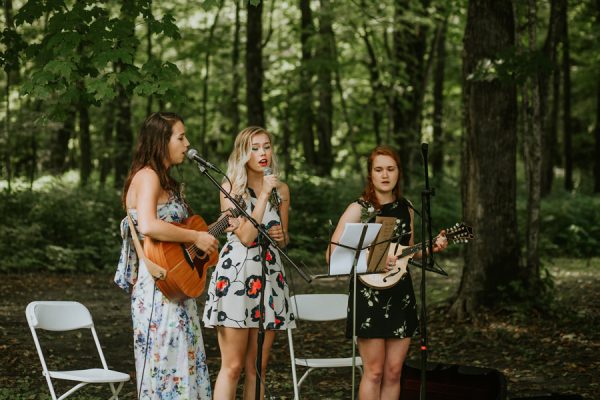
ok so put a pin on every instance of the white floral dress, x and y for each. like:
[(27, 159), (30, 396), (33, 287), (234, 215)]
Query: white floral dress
[(170, 361), (233, 295)]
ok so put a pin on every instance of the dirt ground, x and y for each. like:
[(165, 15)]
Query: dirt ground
[(538, 354)]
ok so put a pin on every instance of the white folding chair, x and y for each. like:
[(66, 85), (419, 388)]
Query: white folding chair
[(317, 308), (67, 316)]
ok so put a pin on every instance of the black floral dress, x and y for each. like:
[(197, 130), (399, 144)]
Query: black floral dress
[(385, 313), (233, 295)]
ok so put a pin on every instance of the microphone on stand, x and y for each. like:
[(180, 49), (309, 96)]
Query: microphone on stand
[(274, 195), (193, 155)]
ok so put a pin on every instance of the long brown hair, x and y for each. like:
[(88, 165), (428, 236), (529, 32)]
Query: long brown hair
[(369, 190), (152, 150)]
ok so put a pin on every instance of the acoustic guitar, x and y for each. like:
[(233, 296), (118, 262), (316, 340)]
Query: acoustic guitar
[(185, 263), (459, 233)]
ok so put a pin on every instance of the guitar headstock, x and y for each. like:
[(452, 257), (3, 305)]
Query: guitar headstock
[(459, 233)]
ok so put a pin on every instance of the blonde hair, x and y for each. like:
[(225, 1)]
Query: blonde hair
[(236, 165)]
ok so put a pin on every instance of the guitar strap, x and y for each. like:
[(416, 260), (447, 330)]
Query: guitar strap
[(155, 270)]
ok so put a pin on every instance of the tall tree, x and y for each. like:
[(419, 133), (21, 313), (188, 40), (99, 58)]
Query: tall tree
[(549, 112), (437, 153), (254, 68), (306, 119), (325, 54), (490, 120), (234, 112), (532, 151), (597, 130), (408, 70), (566, 75)]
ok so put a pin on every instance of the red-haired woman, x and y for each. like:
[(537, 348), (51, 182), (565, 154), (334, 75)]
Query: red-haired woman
[(386, 319)]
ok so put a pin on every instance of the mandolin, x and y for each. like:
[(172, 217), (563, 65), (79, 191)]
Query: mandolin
[(459, 233), (185, 263)]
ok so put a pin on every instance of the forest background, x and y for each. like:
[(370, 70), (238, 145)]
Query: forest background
[(506, 93)]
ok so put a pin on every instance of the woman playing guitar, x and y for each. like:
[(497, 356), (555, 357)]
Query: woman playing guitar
[(386, 319), (169, 351)]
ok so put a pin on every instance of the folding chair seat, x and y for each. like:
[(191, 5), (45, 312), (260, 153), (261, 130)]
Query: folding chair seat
[(67, 316), (317, 308)]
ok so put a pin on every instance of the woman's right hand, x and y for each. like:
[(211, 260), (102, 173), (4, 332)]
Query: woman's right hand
[(206, 242), (270, 182)]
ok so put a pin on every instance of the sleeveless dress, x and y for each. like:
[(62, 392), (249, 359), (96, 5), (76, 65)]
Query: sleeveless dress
[(233, 295), (385, 313), (170, 361)]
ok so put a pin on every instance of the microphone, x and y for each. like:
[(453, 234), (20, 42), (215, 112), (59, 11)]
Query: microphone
[(274, 195), (193, 155)]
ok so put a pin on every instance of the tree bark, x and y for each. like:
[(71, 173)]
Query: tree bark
[(548, 111), (254, 68), (59, 147), (325, 55), (532, 151), (123, 137), (597, 130), (85, 143), (488, 197), (234, 112), (306, 119), (409, 52), (566, 72), (437, 153), (205, 79), (376, 85), (107, 141), (149, 55)]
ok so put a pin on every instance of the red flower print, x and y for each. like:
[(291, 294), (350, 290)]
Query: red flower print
[(253, 286)]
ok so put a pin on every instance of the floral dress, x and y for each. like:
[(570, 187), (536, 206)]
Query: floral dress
[(233, 295), (170, 361), (385, 313)]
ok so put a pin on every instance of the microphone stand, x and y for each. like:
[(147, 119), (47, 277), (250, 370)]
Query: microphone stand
[(264, 241), (427, 262)]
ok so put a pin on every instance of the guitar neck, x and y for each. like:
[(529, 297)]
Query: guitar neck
[(219, 227)]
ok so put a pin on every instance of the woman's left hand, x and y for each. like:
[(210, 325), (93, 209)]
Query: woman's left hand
[(276, 233), (440, 242)]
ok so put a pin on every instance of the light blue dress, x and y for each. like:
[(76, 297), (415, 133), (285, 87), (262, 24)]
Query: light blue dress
[(170, 361)]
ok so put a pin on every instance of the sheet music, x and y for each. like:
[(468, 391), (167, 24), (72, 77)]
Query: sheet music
[(342, 258)]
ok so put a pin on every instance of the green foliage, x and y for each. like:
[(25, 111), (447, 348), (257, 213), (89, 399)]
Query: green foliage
[(63, 228)]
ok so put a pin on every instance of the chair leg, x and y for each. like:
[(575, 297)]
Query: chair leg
[(116, 392)]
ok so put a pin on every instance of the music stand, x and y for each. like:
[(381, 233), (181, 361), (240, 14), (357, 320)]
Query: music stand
[(355, 239)]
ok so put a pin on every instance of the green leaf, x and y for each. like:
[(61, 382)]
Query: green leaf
[(60, 68)]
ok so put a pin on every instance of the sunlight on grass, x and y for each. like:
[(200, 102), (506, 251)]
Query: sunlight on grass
[(43, 183)]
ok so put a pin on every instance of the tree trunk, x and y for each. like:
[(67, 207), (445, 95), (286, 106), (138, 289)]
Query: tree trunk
[(234, 112), (123, 137), (204, 111), (149, 55), (409, 52), (532, 150), (306, 119), (488, 197), (325, 55), (85, 143), (59, 147), (107, 141), (566, 69), (376, 86), (597, 130), (254, 68), (437, 153), (548, 111)]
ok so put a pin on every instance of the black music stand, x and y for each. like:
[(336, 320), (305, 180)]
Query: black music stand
[(358, 249)]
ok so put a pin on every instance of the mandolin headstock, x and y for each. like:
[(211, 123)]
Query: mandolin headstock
[(459, 233)]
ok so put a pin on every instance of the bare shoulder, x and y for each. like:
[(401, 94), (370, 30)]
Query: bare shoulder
[(146, 176), (352, 212), (284, 189)]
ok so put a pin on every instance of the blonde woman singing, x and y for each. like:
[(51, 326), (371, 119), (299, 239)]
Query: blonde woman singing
[(233, 297)]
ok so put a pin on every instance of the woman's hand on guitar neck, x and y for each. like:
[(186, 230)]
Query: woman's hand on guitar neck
[(440, 242), (206, 242)]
